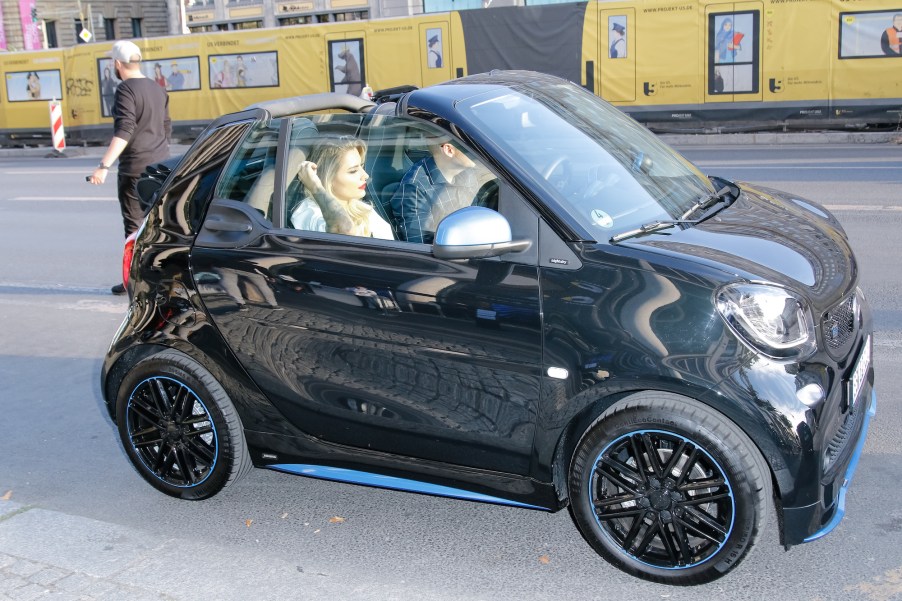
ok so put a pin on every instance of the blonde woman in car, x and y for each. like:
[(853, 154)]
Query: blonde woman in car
[(335, 182)]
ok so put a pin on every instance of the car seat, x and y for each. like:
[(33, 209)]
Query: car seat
[(386, 163), (303, 134)]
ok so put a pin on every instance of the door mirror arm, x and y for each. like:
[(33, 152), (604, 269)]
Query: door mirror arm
[(479, 251)]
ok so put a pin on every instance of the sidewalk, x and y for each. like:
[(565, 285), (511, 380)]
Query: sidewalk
[(52, 555)]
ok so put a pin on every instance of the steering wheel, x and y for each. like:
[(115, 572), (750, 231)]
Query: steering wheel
[(558, 172)]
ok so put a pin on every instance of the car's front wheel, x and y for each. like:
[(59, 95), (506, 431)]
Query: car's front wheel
[(668, 489), (179, 428)]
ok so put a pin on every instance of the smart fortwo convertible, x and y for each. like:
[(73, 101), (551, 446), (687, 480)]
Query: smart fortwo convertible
[(679, 359)]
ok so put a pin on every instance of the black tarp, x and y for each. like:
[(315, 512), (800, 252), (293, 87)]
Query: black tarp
[(546, 38)]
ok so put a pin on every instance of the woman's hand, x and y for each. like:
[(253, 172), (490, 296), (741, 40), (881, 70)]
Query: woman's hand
[(308, 176), (334, 213)]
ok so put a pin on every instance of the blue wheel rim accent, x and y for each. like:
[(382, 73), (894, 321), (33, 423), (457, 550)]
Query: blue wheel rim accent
[(171, 432), (661, 499)]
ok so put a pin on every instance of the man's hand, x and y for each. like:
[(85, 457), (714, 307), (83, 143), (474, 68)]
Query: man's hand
[(99, 176), (117, 145)]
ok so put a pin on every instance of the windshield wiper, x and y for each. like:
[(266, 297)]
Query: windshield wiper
[(648, 228), (702, 203), (706, 201)]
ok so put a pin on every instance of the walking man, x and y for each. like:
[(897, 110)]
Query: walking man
[(141, 132)]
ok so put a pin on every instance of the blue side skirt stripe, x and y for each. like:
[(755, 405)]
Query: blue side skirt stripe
[(380, 481)]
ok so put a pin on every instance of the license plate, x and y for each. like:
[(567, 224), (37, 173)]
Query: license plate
[(860, 373)]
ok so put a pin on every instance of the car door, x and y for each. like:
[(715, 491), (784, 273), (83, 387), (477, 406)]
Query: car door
[(373, 344)]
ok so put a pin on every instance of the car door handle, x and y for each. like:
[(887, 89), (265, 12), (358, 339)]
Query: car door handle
[(221, 225)]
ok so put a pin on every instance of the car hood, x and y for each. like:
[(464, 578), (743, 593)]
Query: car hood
[(766, 235)]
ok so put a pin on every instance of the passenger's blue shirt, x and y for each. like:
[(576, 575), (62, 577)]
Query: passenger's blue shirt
[(425, 197)]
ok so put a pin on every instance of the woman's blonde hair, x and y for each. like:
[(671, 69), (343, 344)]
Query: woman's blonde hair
[(327, 154)]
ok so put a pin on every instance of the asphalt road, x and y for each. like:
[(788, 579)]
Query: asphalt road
[(60, 243)]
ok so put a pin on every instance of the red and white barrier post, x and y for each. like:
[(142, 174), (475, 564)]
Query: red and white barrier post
[(57, 130)]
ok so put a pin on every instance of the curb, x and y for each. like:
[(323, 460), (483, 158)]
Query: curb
[(776, 139), (746, 139), (47, 152)]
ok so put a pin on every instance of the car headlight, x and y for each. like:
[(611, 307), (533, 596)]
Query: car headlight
[(769, 319)]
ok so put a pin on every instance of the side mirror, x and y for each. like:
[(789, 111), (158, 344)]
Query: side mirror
[(475, 233)]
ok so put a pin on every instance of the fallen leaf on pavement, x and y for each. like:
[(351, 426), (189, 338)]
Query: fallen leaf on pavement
[(7, 496), (545, 559), (336, 520), (248, 523)]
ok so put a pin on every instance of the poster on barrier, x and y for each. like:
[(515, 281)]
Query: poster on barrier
[(177, 74), (870, 34), (252, 70), (24, 86)]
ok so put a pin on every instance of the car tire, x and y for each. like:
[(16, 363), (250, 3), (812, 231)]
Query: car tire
[(696, 507), (179, 428)]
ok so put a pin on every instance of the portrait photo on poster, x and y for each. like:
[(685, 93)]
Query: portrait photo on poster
[(733, 38), (346, 67), (617, 28), (871, 34), (246, 70), (25, 86), (434, 48)]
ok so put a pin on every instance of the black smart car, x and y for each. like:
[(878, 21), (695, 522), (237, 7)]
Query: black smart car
[(680, 359)]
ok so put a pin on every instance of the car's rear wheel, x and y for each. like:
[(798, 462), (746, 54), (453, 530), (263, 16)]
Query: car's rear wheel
[(668, 489), (179, 428)]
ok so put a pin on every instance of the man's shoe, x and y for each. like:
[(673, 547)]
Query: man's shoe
[(118, 289)]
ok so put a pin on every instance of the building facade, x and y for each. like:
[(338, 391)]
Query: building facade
[(34, 24)]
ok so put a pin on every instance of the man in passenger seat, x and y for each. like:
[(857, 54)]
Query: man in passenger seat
[(431, 189)]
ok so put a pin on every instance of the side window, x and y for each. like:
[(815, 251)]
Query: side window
[(250, 175), (380, 176)]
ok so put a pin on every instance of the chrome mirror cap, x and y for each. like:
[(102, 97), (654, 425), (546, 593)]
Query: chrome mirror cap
[(475, 232)]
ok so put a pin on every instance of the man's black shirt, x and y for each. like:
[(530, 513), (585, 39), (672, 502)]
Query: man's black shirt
[(141, 117)]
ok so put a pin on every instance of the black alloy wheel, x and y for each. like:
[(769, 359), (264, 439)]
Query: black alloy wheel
[(662, 499), (171, 431), (669, 490), (179, 428)]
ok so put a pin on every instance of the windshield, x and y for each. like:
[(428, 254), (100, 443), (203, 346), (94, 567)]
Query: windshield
[(606, 170)]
